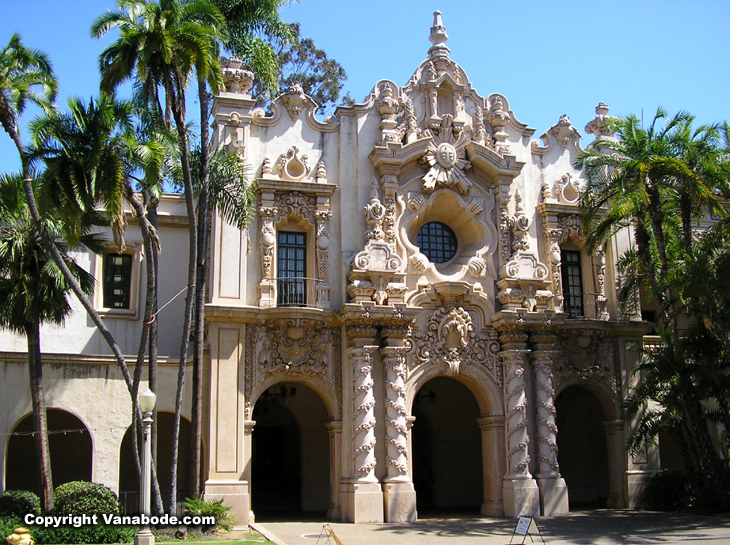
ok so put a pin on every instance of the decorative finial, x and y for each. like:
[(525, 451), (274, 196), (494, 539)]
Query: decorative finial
[(438, 38)]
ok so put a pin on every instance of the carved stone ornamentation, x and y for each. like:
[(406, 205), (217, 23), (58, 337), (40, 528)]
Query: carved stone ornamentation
[(516, 413), (396, 432), (587, 354), (387, 108), (362, 361), (293, 166), (267, 238), (601, 126), (547, 430), (294, 100), (449, 341), (564, 132), (236, 79), (498, 119), (447, 159)]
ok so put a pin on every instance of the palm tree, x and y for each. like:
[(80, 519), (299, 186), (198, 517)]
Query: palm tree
[(160, 44), (26, 76), (32, 292), (91, 155)]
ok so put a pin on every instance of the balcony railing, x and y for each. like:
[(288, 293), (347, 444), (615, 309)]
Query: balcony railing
[(297, 292), (585, 306)]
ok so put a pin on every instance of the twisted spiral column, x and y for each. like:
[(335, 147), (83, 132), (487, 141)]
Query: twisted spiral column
[(364, 412), (396, 435)]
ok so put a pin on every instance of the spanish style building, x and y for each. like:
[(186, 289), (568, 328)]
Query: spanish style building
[(411, 322)]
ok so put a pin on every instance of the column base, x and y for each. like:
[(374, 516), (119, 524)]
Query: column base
[(493, 509), (144, 537), (521, 498), (235, 494), (553, 496), (363, 502), (635, 483), (400, 502)]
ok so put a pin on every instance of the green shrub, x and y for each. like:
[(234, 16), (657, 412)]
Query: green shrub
[(84, 498), (8, 523), (222, 513), (85, 534), (19, 503), (668, 490)]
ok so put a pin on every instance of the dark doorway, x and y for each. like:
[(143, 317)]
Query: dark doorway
[(582, 450), (71, 452), (447, 452), (290, 455)]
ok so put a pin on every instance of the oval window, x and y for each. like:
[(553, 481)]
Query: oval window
[(437, 242)]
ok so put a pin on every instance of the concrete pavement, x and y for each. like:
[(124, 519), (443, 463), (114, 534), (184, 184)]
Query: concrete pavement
[(600, 527)]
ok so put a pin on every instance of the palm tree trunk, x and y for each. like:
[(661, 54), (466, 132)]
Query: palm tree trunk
[(152, 351), (178, 111), (43, 452), (200, 282)]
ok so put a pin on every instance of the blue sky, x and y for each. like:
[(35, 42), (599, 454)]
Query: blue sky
[(548, 57)]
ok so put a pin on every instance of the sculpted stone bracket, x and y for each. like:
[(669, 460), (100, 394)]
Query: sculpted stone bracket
[(299, 202), (293, 348), (376, 272)]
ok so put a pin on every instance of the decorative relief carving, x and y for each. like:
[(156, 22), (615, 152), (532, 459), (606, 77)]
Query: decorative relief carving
[(387, 108), (587, 354), (267, 238), (295, 205), (516, 412), (292, 166), (505, 232), (447, 159), (564, 131), (292, 347), (361, 359), (396, 433), (294, 100), (601, 126), (498, 119), (235, 79), (547, 430), (449, 341), (520, 225)]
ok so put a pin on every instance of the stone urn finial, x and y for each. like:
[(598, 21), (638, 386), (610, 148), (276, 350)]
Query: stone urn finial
[(438, 38)]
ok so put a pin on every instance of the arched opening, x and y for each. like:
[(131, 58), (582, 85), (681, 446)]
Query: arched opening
[(128, 482), (447, 451), (71, 452), (289, 454), (582, 447)]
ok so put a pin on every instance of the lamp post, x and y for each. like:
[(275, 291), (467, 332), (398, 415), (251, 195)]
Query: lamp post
[(147, 401)]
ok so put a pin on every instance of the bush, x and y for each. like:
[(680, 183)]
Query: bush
[(200, 507), (19, 503), (668, 490), (85, 534), (8, 523), (84, 498)]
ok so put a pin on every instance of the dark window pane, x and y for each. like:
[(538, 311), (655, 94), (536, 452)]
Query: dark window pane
[(437, 242), (117, 280), (291, 268), (572, 283)]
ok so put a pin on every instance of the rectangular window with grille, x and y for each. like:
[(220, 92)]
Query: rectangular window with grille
[(291, 269), (117, 280), (572, 284)]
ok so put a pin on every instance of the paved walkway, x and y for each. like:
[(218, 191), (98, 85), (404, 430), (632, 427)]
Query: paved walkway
[(603, 527)]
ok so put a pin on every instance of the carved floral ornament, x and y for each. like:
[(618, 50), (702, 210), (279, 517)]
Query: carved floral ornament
[(447, 159), (449, 341)]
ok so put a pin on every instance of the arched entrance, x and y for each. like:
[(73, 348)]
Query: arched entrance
[(582, 447), (71, 452), (290, 453), (128, 482), (447, 451)]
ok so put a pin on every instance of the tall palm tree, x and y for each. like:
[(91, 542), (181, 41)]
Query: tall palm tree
[(91, 155), (160, 44), (26, 76), (32, 292)]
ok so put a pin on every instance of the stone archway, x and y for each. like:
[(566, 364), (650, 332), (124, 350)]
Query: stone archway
[(447, 449), (290, 453), (71, 452), (583, 452)]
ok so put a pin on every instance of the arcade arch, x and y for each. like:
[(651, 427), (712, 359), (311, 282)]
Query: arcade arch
[(71, 449)]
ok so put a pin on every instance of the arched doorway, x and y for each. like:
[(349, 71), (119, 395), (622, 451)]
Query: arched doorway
[(447, 451), (71, 452), (582, 447), (290, 454), (128, 482)]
